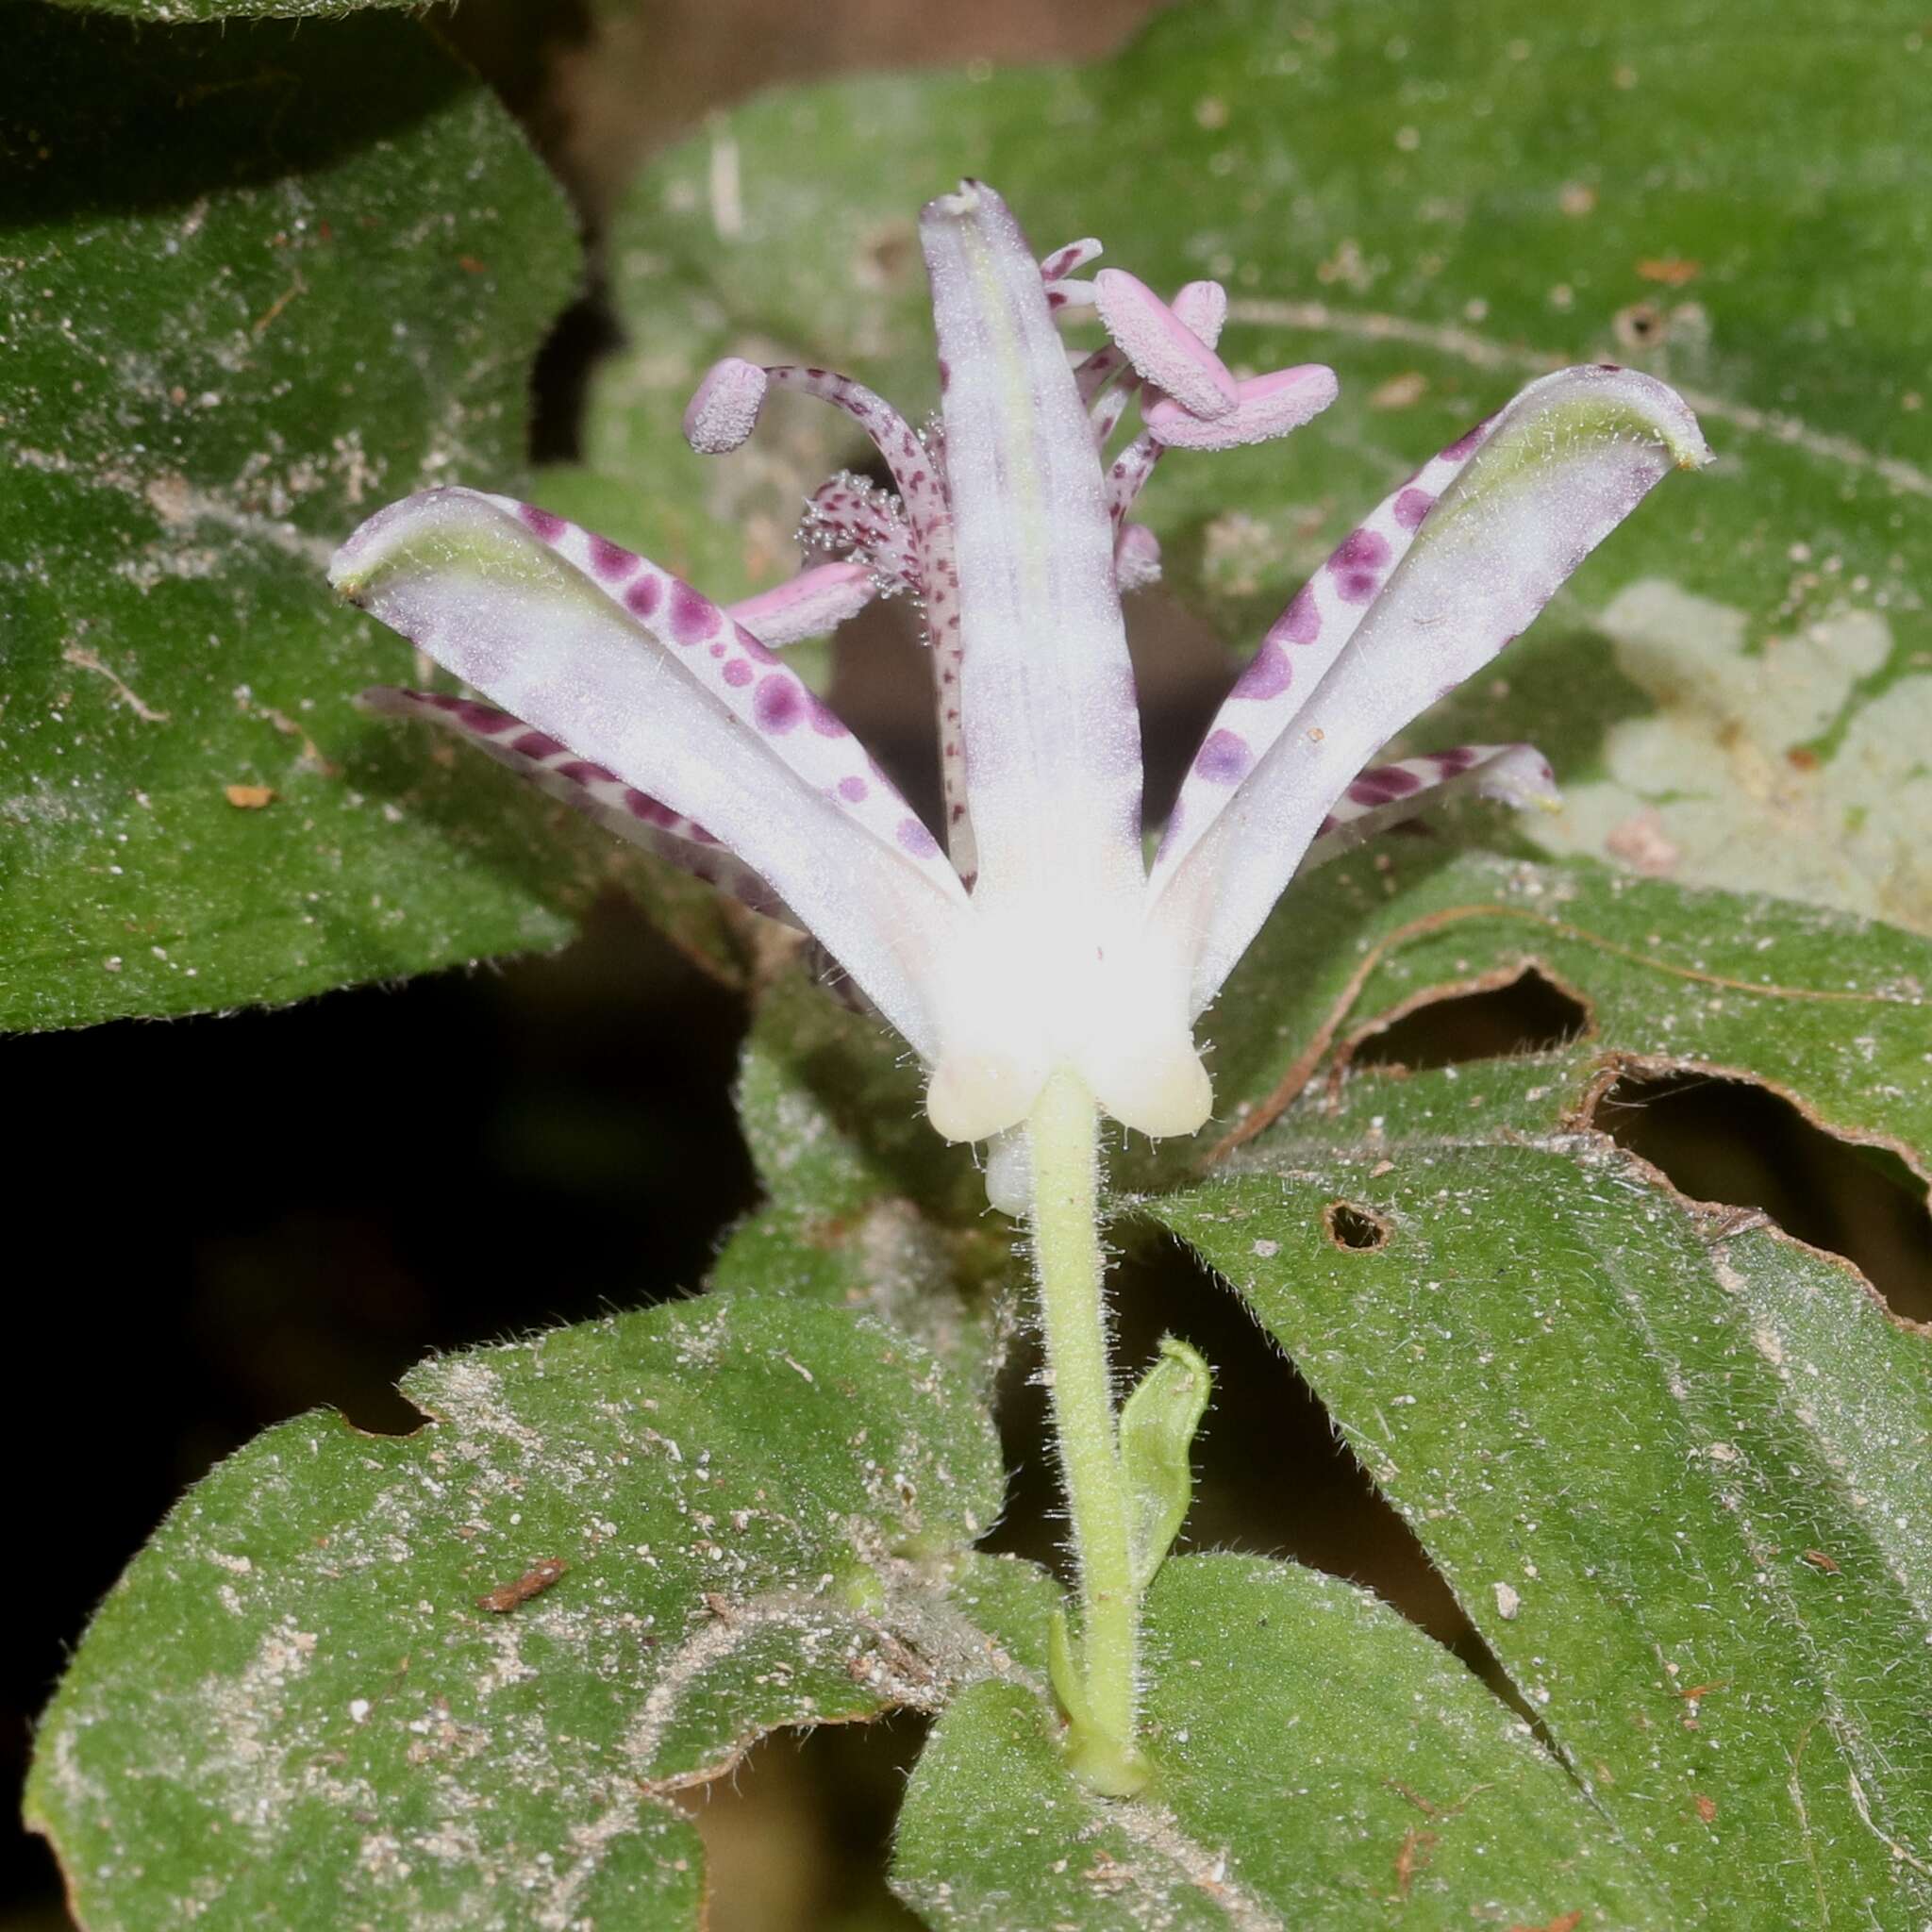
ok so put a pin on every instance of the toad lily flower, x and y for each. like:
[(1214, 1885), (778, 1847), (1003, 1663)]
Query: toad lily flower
[(1045, 942)]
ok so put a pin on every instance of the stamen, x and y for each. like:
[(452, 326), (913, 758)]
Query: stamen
[(912, 469), (1069, 260), (1128, 472), (1162, 348), (1136, 557), (817, 601), (724, 408), (1093, 375), (1268, 407), (728, 402), (1203, 306), (1108, 410)]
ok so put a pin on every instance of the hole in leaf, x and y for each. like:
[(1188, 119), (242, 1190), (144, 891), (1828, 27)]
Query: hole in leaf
[(1738, 1144), (1531, 1013), (1642, 326), (799, 1832), (1359, 1228)]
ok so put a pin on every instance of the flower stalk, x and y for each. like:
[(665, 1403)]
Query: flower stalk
[(1096, 1677)]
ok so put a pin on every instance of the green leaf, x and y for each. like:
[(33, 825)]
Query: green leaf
[(1318, 1762), (1735, 691), (1830, 1010), (1158, 1423), (260, 280), (1673, 1464), (866, 1206), (446, 1679)]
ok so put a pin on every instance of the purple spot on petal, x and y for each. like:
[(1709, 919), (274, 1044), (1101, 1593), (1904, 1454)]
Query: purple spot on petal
[(1224, 759), (1411, 506), (917, 839), (612, 561), (1360, 550), (1327, 826), (1384, 785), (1356, 586), (1301, 622), (738, 672), (778, 704), (752, 647), (693, 618), (1268, 676), (852, 789), (641, 598), (536, 744), (546, 523), (582, 771), (825, 720), (1452, 763)]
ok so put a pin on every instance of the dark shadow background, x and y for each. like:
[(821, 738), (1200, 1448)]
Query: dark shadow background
[(241, 1218)]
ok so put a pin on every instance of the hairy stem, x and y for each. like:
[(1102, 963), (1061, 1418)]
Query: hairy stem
[(1064, 1136)]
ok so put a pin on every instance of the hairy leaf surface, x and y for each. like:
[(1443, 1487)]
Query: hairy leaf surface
[(446, 1679), (258, 279), (1318, 1762), (1673, 1462)]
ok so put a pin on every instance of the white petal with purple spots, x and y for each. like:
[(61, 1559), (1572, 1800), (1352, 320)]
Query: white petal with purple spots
[(1309, 634), (1529, 499), (1386, 795), (508, 599), (553, 769)]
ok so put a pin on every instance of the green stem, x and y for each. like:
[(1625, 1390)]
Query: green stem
[(1063, 1131)]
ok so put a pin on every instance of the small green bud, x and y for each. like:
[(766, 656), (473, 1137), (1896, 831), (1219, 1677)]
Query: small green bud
[(1157, 1424)]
